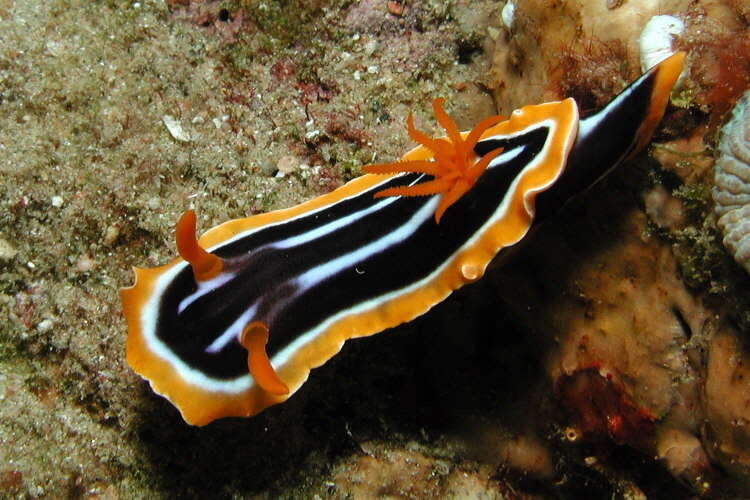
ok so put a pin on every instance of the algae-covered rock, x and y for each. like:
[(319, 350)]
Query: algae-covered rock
[(561, 375)]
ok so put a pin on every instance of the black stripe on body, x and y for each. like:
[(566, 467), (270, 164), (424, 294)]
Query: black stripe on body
[(269, 277), (605, 139)]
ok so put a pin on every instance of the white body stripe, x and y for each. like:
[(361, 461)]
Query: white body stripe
[(234, 331), (310, 278)]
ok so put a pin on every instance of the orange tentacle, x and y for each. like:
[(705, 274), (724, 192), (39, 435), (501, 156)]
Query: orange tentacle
[(476, 170), (441, 149), (479, 129), (456, 192), (254, 338), (450, 127), (205, 265)]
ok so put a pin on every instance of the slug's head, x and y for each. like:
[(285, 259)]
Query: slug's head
[(172, 318)]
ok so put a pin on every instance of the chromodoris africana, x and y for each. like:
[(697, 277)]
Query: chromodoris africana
[(238, 322)]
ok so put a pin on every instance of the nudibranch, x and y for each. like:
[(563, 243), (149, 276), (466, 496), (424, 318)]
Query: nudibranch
[(237, 323)]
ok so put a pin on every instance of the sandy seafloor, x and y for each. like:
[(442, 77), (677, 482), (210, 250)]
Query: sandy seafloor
[(276, 101), (92, 183)]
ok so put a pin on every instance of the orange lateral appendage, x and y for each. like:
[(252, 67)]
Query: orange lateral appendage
[(453, 169), (205, 265), (254, 338)]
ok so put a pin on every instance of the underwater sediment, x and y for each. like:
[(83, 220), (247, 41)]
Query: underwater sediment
[(607, 357)]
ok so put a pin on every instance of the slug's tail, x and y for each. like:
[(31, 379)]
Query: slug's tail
[(663, 78), (614, 134)]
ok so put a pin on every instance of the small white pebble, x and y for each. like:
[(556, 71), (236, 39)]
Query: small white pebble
[(175, 128), (85, 264), (7, 252), (287, 164), (312, 134), (54, 47), (655, 42), (56, 201), (508, 14), (45, 325), (371, 47), (372, 69), (357, 75), (220, 120), (111, 234), (30, 265)]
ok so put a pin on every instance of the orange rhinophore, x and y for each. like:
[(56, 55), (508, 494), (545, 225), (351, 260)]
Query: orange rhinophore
[(254, 338), (205, 265)]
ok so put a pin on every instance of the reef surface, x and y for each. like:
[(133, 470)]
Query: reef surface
[(606, 358)]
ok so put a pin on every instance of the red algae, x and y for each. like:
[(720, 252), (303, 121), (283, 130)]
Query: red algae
[(590, 71), (11, 481), (724, 73), (599, 407)]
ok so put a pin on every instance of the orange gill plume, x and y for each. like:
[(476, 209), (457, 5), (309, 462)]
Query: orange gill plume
[(454, 167)]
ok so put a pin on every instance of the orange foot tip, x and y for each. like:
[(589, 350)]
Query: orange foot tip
[(254, 338), (205, 265), (453, 168)]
